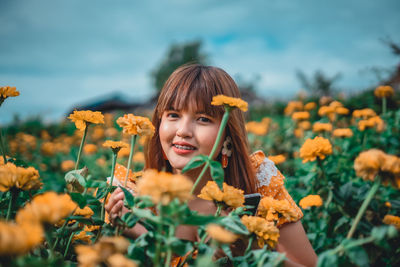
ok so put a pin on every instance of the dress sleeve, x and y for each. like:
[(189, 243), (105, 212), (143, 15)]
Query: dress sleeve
[(270, 183)]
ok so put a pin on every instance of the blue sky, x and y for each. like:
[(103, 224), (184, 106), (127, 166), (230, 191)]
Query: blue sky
[(62, 53)]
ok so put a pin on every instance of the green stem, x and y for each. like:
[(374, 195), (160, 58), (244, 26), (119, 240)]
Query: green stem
[(48, 233), (218, 212), (69, 242), (384, 105), (158, 240), (364, 206), (61, 231), (224, 121), (109, 187), (81, 146), (169, 248), (133, 142), (249, 245), (3, 148), (14, 194)]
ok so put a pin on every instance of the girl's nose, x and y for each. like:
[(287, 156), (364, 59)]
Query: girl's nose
[(184, 128)]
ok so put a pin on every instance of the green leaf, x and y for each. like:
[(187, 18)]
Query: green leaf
[(96, 184), (358, 256), (76, 182), (130, 219), (195, 162), (78, 198), (129, 198), (197, 219), (233, 224), (217, 173), (327, 259), (146, 214), (179, 246)]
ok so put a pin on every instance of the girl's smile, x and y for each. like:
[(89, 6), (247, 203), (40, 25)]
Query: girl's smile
[(185, 134)]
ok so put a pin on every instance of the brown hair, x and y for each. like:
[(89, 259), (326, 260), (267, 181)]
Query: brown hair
[(193, 86)]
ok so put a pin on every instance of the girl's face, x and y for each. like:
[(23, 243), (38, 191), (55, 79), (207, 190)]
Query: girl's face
[(185, 134)]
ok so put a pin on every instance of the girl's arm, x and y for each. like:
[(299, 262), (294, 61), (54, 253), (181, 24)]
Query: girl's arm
[(294, 243)]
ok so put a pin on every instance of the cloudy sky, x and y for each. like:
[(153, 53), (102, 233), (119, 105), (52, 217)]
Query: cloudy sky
[(61, 53)]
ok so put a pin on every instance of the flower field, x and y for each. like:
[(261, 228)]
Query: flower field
[(342, 167)]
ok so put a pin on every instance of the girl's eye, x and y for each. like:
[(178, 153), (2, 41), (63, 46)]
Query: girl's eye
[(204, 119), (172, 115)]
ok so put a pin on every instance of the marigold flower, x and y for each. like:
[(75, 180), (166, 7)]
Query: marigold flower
[(138, 157), (83, 117), (124, 152), (304, 125), (310, 106), (115, 145), (364, 113), (18, 239), (300, 115), (384, 91), (342, 110), (83, 236), (392, 219), (372, 122), (48, 148), (231, 196), (86, 212), (219, 100), (98, 133), (325, 100), (49, 207), (257, 128), (277, 159), (119, 260), (342, 132), (388, 204), (111, 132), (89, 149), (326, 110), (265, 231), (164, 187), (368, 163), (272, 209), (18, 177), (221, 234), (136, 125), (322, 127), (313, 148), (293, 106), (310, 201), (7, 91), (67, 165)]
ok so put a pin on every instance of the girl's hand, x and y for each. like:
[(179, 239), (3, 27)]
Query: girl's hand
[(115, 205)]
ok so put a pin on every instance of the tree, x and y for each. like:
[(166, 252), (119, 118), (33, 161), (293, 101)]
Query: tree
[(178, 55), (320, 84)]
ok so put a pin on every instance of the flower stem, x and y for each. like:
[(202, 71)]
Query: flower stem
[(249, 245), (81, 146), (171, 234), (384, 105), (133, 142), (364, 206), (114, 160), (3, 148), (224, 121), (158, 240), (69, 243), (14, 193)]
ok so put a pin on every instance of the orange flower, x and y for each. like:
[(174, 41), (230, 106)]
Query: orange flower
[(310, 201), (233, 102), (300, 115), (138, 157), (393, 220), (164, 187), (304, 125), (313, 148), (231, 196), (265, 231), (277, 159), (115, 145), (84, 117), (322, 127), (342, 111), (364, 113), (89, 149), (273, 209), (372, 122), (67, 165), (299, 133), (343, 132), (293, 106), (136, 125), (257, 128), (18, 177), (384, 91), (310, 106), (221, 234), (7, 91), (368, 163)]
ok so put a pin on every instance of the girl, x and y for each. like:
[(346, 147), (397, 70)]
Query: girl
[(187, 125)]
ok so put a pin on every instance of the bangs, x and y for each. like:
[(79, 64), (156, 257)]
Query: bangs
[(191, 92)]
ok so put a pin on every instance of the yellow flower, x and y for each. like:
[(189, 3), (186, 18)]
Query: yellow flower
[(87, 256), (48, 148), (221, 234), (310, 201), (293, 106), (67, 165), (49, 207), (119, 260), (313, 148), (368, 163), (231, 196), (86, 212), (278, 159), (265, 231), (257, 128), (273, 209), (342, 110), (164, 187), (322, 127), (388, 204), (304, 125), (115, 145), (138, 157), (82, 236), (384, 91), (124, 152), (7, 91), (300, 115), (393, 220), (310, 106), (136, 125), (83, 117), (98, 133), (16, 239), (343, 132), (229, 101), (326, 110), (364, 113), (324, 100), (299, 132), (375, 121), (18, 177), (89, 149)]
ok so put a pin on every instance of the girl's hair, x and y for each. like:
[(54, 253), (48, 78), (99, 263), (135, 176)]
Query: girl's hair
[(192, 87)]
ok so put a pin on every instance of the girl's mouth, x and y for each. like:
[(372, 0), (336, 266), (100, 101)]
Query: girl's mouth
[(183, 149)]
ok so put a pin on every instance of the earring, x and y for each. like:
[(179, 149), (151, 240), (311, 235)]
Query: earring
[(226, 151)]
